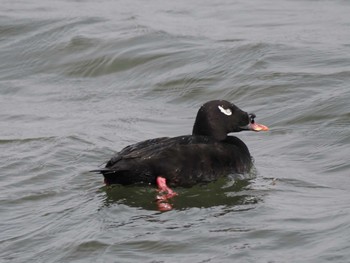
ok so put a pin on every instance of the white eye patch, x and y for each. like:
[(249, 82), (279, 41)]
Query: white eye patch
[(227, 112)]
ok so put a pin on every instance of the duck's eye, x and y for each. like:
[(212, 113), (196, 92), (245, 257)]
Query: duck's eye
[(252, 117), (227, 112)]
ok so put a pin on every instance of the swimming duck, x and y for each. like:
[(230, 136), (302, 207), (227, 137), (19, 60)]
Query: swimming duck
[(204, 156)]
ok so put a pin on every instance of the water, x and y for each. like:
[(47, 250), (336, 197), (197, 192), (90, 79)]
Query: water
[(79, 80)]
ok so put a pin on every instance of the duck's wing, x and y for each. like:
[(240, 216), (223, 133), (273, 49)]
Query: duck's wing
[(134, 163), (148, 149), (144, 148), (141, 150)]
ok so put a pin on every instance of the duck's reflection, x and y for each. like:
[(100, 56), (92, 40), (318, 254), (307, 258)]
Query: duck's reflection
[(223, 192)]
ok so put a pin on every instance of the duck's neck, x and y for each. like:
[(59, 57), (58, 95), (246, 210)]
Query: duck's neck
[(203, 127)]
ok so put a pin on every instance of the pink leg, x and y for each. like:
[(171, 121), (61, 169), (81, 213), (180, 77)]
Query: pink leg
[(165, 191), (165, 194)]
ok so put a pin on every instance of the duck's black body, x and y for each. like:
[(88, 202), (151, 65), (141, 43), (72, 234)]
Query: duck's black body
[(204, 156), (184, 160)]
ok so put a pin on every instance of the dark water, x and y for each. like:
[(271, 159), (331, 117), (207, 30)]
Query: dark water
[(79, 80)]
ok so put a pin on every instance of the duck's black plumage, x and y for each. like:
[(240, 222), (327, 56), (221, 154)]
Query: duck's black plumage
[(204, 156)]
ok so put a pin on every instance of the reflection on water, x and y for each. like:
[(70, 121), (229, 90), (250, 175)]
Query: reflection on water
[(223, 192), (80, 80)]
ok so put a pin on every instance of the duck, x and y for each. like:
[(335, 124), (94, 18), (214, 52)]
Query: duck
[(204, 156)]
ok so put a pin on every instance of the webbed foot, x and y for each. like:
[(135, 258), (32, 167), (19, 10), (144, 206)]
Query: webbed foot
[(165, 193)]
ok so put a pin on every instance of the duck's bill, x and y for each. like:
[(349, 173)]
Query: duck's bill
[(257, 127)]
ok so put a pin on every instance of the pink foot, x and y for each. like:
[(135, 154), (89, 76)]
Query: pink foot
[(164, 190), (165, 194), (163, 207)]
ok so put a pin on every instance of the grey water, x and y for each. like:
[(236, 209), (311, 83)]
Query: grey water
[(80, 80)]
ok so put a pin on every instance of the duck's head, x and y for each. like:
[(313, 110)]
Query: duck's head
[(217, 118)]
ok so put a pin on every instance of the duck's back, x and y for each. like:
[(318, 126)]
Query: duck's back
[(183, 160)]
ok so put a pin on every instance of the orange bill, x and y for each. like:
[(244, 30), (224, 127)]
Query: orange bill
[(258, 127)]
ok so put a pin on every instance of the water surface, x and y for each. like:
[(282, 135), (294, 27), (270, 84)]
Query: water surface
[(79, 80)]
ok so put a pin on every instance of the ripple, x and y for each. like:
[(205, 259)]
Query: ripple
[(80, 81)]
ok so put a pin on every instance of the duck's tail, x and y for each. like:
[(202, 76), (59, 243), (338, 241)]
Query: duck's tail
[(114, 176), (101, 171)]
